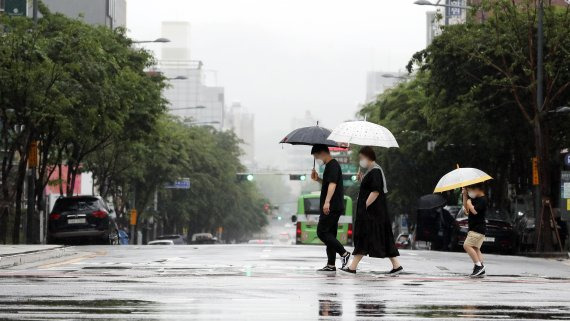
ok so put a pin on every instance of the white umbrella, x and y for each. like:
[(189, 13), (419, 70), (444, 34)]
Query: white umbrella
[(461, 177), (363, 133)]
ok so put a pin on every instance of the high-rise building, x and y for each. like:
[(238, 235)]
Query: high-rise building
[(379, 81), (242, 123), (190, 96), (433, 26), (110, 13)]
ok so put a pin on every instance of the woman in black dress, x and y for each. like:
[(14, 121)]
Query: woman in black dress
[(373, 234)]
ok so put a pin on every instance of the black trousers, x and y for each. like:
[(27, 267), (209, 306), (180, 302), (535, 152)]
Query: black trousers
[(326, 231)]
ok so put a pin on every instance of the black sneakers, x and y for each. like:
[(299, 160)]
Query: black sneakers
[(396, 271), (478, 271), (327, 269), (345, 260), (348, 270)]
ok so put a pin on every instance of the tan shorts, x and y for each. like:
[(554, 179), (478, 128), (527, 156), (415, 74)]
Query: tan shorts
[(474, 239)]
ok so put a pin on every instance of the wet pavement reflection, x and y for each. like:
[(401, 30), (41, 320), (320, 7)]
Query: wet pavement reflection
[(265, 283)]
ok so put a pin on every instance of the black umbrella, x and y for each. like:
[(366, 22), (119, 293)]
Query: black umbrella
[(431, 201), (312, 135)]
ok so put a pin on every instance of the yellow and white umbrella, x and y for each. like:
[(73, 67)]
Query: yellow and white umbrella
[(461, 177)]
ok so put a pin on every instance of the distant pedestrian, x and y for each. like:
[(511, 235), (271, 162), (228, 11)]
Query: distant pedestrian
[(373, 235), (475, 207), (331, 206)]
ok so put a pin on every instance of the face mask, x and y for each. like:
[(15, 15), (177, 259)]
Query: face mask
[(363, 163), (472, 194), (320, 162)]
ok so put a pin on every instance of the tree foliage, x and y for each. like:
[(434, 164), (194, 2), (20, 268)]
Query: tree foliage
[(83, 93)]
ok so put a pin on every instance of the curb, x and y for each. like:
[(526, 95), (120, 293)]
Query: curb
[(548, 255), (12, 260)]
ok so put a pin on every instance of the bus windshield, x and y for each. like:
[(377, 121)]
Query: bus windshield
[(312, 206)]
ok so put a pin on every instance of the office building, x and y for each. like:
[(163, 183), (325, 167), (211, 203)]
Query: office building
[(433, 25), (242, 123), (191, 96), (379, 81), (110, 13)]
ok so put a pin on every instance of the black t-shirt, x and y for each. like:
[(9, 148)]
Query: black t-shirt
[(333, 174), (477, 221)]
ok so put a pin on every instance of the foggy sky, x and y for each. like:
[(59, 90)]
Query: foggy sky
[(281, 58)]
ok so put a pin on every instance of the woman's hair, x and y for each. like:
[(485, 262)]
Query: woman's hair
[(479, 186), (368, 152)]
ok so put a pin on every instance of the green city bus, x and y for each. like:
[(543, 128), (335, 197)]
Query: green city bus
[(307, 218)]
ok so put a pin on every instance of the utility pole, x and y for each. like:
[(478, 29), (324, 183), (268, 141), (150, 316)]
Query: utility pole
[(544, 216), (35, 11), (539, 102)]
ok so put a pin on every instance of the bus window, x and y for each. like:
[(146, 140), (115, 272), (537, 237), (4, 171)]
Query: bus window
[(312, 206)]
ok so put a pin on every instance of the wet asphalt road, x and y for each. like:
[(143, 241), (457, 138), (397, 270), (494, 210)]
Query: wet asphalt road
[(249, 282)]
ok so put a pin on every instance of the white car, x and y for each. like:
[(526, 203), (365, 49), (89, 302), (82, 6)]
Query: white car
[(161, 242)]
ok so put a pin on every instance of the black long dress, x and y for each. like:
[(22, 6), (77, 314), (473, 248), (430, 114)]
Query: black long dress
[(373, 234)]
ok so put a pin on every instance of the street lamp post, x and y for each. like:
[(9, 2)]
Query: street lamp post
[(157, 40), (186, 108), (438, 4), (214, 122), (177, 78), (401, 77)]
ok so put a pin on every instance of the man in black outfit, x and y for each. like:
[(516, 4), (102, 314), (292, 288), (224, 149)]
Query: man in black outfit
[(331, 206)]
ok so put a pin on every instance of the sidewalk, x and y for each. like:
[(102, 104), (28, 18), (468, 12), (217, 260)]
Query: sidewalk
[(12, 255)]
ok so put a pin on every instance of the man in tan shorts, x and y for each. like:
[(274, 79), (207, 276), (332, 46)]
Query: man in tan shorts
[(475, 206)]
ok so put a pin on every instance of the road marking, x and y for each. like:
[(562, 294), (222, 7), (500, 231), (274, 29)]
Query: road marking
[(72, 260)]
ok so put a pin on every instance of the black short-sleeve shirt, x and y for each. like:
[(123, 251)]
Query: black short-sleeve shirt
[(333, 174), (477, 221)]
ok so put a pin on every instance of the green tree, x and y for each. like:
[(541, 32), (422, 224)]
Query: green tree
[(484, 76)]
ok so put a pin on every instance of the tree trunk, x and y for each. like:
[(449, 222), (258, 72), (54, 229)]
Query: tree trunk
[(19, 192)]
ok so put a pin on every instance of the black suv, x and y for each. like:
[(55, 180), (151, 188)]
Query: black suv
[(82, 217)]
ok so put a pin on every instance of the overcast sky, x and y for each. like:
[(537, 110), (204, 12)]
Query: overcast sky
[(281, 58)]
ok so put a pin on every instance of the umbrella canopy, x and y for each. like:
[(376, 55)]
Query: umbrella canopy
[(461, 177), (431, 201), (312, 135), (363, 133)]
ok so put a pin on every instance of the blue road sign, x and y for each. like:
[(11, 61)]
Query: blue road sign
[(179, 184)]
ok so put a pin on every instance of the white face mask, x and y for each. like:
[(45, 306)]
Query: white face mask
[(320, 162), (363, 163), (472, 194)]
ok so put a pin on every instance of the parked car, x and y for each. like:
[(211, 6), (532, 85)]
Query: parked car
[(85, 218), (501, 236), (204, 238), (176, 239), (161, 242), (436, 227)]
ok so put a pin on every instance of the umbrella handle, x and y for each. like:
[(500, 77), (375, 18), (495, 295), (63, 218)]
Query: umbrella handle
[(314, 162)]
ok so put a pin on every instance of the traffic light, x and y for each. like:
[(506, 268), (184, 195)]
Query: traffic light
[(295, 177), (244, 177), (349, 177)]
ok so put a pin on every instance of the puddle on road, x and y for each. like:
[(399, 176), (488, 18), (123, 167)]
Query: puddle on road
[(330, 304), (330, 308), (370, 309), (488, 312), (74, 307)]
